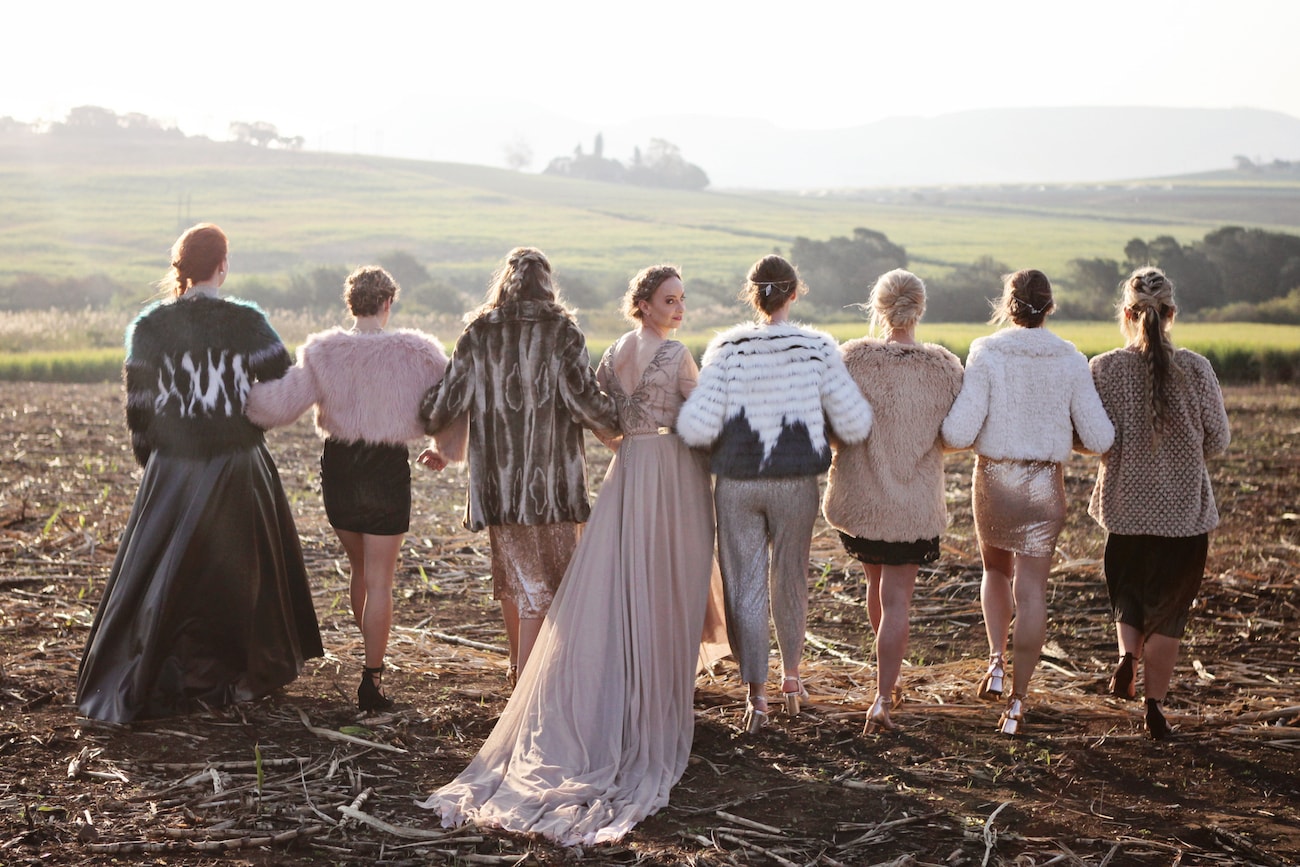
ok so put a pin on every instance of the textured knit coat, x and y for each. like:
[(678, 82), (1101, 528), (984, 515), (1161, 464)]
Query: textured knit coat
[(189, 366), (889, 487), (1025, 395), (366, 387), (764, 397), (522, 374), (1158, 487)]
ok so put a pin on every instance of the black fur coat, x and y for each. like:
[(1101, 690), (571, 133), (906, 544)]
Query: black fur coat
[(189, 365)]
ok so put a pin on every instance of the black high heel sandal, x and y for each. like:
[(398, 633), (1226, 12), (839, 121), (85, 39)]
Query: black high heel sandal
[(1156, 724), (1121, 682), (369, 696)]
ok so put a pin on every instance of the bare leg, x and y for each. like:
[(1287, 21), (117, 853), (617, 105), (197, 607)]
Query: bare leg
[(1130, 640), (1030, 588), (1158, 665), (996, 597), (510, 614), (354, 547), (381, 553), (873, 596), (528, 628), (896, 586)]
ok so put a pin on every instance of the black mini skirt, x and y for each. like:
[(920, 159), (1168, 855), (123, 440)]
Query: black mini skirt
[(366, 487), (879, 553)]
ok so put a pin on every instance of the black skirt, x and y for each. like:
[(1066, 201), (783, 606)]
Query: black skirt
[(366, 487), (879, 553), (1152, 580), (208, 601)]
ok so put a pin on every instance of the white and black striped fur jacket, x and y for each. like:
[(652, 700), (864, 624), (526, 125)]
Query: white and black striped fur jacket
[(765, 397)]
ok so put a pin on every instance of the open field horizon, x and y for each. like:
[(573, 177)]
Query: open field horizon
[(71, 211)]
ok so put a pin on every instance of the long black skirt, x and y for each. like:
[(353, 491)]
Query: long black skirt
[(208, 602)]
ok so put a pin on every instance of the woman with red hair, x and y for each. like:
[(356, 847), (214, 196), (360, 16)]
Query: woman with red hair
[(208, 602)]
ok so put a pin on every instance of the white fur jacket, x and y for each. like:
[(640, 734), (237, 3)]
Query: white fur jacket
[(1025, 396), (366, 387), (889, 487), (764, 397)]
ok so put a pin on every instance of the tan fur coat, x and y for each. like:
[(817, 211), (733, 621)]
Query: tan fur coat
[(889, 487)]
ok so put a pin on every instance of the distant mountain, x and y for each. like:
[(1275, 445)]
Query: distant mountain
[(1014, 145)]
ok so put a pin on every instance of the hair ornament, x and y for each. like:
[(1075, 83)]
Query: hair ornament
[(1034, 311)]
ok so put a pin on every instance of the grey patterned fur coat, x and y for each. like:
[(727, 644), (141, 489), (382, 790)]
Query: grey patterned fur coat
[(521, 375)]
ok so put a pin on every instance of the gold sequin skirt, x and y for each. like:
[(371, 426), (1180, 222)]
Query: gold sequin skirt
[(528, 563), (1019, 505)]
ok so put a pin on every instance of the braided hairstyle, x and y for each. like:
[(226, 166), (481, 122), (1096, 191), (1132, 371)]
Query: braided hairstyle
[(196, 256), (1146, 311), (524, 275), (1026, 299), (367, 288), (897, 301), (642, 288), (771, 283)]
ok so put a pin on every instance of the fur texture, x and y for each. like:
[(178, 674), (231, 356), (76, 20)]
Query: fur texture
[(366, 387), (889, 487), (764, 397), (522, 375), (190, 363), (1158, 489), (1025, 396)]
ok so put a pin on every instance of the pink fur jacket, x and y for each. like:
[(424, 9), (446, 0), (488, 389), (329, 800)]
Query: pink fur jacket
[(889, 487), (366, 387)]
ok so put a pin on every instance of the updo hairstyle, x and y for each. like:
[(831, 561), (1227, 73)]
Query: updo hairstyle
[(897, 301), (196, 256), (367, 289), (642, 287), (1026, 299), (771, 283)]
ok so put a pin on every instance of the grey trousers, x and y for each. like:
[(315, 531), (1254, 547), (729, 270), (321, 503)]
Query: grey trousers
[(764, 532)]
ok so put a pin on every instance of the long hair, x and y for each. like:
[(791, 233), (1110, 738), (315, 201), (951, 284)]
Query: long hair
[(897, 301), (524, 275), (770, 284), (1026, 299), (196, 256), (1146, 312), (642, 288)]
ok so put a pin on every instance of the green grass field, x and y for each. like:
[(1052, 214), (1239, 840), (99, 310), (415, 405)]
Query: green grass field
[(69, 211), (45, 346)]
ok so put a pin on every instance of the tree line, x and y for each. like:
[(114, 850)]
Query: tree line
[(1233, 273)]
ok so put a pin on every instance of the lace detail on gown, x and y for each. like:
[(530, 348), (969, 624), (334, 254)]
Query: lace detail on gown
[(657, 398)]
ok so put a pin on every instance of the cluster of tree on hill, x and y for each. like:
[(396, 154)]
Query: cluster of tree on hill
[(1232, 274), (91, 121), (1273, 167), (661, 165)]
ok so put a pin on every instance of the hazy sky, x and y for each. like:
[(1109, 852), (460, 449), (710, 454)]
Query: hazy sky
[(313, 67)]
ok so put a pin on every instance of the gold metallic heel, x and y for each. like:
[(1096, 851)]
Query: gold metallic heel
[(755, 717), (793, 697), (1009, 722), (990, 688)]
